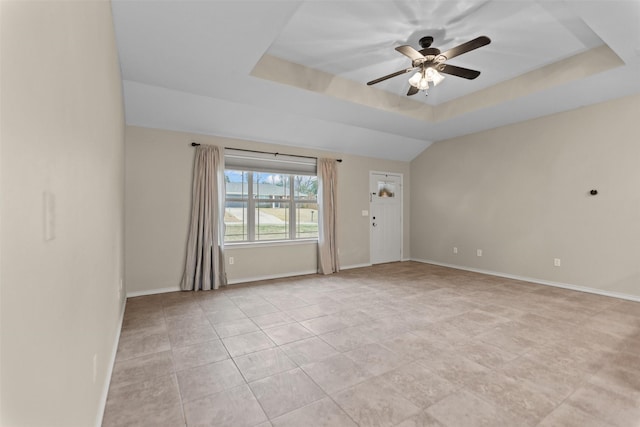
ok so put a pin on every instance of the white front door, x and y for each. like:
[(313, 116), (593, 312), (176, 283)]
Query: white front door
[(385, 195)]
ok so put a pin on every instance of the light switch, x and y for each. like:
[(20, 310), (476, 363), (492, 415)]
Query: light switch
[(365, 213)]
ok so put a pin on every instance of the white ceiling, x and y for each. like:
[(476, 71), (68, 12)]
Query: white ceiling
[(295, 72)]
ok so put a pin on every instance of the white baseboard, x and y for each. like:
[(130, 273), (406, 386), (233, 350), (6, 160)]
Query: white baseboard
[(349, 267), (270, 276), (534, 280), (112, 362), (152, 291)]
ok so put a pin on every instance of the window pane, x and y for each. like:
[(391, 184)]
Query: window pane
[(235, 221), (306, 220), (305, 187), (386, 189), (236, 183), (270, 186), (272, 221)]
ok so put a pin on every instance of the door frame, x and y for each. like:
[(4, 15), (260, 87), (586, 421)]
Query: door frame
[(401, 175)]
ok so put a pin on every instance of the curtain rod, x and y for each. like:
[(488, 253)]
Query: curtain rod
[(195, 144)]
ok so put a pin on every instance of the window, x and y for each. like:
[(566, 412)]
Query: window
[(268, 205)]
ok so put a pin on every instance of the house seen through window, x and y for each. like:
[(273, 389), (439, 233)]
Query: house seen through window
[(263, 206)]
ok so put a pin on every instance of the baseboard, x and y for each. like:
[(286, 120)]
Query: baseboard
[(270, 276), (112, 362), (352, 266), (153, 291), (534, 280)]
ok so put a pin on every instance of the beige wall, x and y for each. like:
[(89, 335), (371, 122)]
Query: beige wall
[(158, 195), (62, 133), (521, 194)]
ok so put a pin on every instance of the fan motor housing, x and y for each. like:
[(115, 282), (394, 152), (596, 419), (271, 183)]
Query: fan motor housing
[(425, 42)]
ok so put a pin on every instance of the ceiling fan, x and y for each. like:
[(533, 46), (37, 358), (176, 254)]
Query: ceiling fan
[(430, 62)]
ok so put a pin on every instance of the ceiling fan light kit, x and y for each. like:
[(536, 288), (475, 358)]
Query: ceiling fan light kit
[(430, 62)]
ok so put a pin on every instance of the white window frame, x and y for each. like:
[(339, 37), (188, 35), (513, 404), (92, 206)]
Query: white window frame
[(251, 201)]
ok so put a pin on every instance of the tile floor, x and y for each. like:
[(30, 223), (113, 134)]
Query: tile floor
[(402, 344)]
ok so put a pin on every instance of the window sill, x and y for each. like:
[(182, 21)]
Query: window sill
[(267, 243)]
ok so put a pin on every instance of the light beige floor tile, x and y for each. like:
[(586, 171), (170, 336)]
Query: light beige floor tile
[(465, 409), (285, 392), (614, 325), (264, 363), (610, 406), (336, 373), (155, 402), (187, 320), (287, 333), (190, 335), (322, 413), (308, 350), (176, 310), (324, 324), (220, 315), (556, 383), (259, 309), (353, 317), (142, 342), (287, 303), (568, 416), (621, 374), (141, 368), (455, 368), (470, 321), (236, 407), (375, 403), (631, 308), (199, 354), (508, 339), (411, 345), (383, 329), (346, 339), (149, 318), (517, 397), (441, 334), (421, 419), (485, 354), (216, 304), (208, 379), (309, 312), (235, 327), (553, 343), (272, 319), (377, 359), (502, 311), (247, 343), (419, 385)]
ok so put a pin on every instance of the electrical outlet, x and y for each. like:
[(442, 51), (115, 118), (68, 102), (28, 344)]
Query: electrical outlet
[(231, 260), (455, 250), (556, 262), (479, 252)]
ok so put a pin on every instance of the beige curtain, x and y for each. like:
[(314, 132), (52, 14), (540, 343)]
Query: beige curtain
[(204, 267), (327, 221)]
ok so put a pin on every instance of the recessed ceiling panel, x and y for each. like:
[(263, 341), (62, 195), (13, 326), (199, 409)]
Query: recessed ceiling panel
[(356, 39)]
